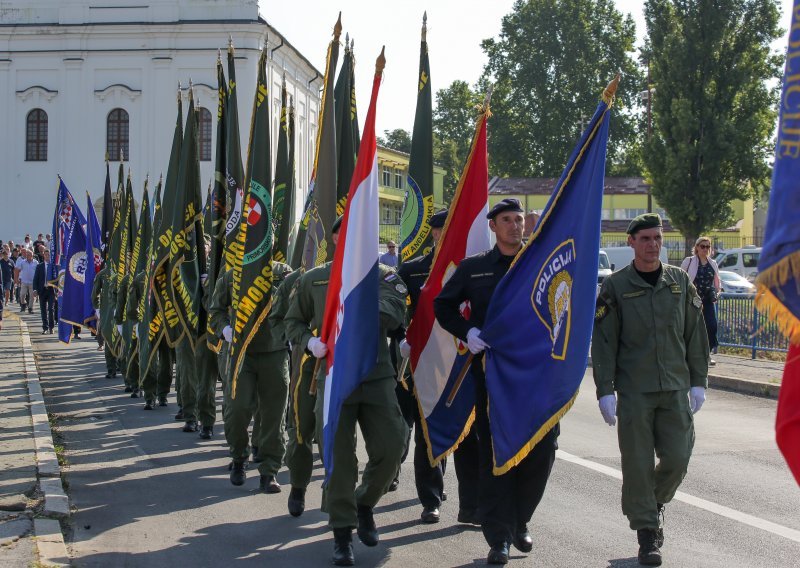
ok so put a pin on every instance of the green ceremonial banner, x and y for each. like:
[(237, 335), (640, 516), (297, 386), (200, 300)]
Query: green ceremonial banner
[(144, 235), (347, 136), (234, 171), (150, 329), (127, 233), (415, 227), (252, 298), (318, 247), (187, 249), (283, 202), (164, 239)]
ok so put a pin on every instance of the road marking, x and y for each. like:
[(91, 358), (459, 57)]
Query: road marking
[(710, 506)]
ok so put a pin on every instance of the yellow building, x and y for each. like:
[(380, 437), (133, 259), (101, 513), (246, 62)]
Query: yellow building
[(392, 184), (624, 199)]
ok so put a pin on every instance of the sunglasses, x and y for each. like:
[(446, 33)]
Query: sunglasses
[(704, 246)]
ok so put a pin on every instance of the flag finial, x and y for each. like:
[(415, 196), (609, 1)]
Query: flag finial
[(425, 26), (337, 29), (106, 156), (380, 63), (611, 90)]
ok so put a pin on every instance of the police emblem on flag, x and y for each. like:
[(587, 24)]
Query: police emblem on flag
[(552, 296), (77, 266)]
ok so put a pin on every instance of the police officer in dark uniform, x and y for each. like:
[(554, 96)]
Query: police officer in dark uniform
[(505, 502), (430, 480)]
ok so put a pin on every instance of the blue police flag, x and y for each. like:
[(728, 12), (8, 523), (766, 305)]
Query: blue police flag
[(539, 322), (94, 258)]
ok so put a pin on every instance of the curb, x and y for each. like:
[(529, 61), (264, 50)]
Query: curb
[(743, 386), (49, 539)]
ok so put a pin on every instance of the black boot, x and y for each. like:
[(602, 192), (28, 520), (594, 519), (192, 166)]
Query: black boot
[(162, 400), (237, 473), (134, 393), (128, 389), (430, 515), (367, 531), (498, 554), (297, 501), (190, 426), (268, 484), (649, 553), (206, 432), (179, 415), (522, 540), (148, 404), (343, 547)]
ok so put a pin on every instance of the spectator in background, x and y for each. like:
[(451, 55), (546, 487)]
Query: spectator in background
[(46, 293), (39, 241), (390, 257), (27, 244), (13, 258), (25, 270), (704, 274), (2, 287), (38, 253), (7, 273)]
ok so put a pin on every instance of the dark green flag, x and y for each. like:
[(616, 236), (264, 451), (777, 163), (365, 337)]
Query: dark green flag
[(318, 247), (120, 212), (150, 329), (138, 262), (187, 257), (165, 232), (283, 202), (234, 172), (252, 272), (415, 227), (127, 233), (347, 137)]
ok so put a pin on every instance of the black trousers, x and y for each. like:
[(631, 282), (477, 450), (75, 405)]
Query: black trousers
[(47, 306), (507, 502)]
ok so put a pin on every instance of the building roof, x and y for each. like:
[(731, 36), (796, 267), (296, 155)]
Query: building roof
[(544, 186)]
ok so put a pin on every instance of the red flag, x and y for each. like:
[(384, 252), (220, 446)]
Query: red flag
[(787, 422)]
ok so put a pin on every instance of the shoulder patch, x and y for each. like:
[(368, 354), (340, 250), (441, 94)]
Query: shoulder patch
[(697, 302), (401, 288), (600, 309), (390, 277)]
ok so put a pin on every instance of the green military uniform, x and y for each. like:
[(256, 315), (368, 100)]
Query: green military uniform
[(302, 422), (104, 299), (373, 404), (135, 291), (186, 379), (262, 383), (650, 346), (129, 348), (206, 365)]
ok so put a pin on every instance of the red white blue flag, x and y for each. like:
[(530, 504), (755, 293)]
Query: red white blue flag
[(447, 407), (351, 324)]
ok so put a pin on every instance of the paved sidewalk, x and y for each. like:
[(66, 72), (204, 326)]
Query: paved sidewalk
[(19, 497), (742, 374)]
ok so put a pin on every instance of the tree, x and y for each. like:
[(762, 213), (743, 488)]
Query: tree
[(551, 62), (397, 139), (713, 111)]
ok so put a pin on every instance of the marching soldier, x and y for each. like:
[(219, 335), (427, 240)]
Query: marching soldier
[(207, 371), (429, 480), (126, 330), (103, 301), (373, 405), (262, 383), (506, 502), (650, 347)]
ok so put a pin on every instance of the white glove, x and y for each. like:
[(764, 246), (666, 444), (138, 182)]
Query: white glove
[(697, 396), (608, 408), (119, 328), (405, 349), (97, 314), (475, 343), (227, 333), (317, 347)]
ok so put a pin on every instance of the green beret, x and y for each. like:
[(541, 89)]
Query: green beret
[(644, 221)]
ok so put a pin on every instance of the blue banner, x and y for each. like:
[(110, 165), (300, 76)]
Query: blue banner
[(539, 322), (94, 256)]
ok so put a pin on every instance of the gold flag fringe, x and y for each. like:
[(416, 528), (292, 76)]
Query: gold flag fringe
[(775, 276)]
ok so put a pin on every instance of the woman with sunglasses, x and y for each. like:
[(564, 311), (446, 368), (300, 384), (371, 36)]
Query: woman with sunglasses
[(704, 274)]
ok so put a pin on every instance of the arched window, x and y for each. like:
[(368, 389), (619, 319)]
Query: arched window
[(204, 140), (36, 136), (117, 134)]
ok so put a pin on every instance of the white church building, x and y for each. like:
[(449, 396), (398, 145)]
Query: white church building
[(82, 78)]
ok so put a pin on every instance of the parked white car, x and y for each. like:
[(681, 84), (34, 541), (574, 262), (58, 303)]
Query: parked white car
[(620, 257), (603, 268), (742, 261), (733, 283)]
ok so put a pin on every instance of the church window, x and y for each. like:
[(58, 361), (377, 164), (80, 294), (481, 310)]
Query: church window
[(117, 134), (36, 136), (204, 140)]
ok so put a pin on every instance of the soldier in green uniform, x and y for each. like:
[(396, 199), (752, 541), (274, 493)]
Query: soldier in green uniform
[(263, 384), (650, 347), (373, 405), (126, 329), (135, 291), (103, 301), (206, 366)]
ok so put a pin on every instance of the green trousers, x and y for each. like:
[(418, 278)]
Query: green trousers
[(128, 348), (657, 424), (206, 365), (111, 361), (263, 384), (302, 423), (158, 379), (373, 406), (186, 379)]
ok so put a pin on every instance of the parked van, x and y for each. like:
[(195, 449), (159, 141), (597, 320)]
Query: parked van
[(620, 257), (603, 268), (742, 261)]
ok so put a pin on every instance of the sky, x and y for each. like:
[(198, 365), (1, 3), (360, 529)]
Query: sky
[(455, 31)]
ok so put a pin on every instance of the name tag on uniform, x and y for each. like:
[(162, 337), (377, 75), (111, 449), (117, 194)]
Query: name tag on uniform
[(634, 294), (419, 275), (482, 275), (319, 282), (675, 288)]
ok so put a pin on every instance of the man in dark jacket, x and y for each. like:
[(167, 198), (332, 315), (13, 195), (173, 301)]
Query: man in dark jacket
[(46, 293)]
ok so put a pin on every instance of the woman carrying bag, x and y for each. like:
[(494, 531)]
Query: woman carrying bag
[(704, 274)]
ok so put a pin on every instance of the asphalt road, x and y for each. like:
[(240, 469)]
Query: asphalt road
[(146, 494)]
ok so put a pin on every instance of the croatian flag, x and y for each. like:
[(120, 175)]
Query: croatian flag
[(351, 324), (437, 357)]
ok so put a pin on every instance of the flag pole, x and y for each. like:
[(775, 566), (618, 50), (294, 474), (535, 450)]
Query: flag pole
[(460, 379)]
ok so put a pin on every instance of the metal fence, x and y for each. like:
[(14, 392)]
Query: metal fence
[(740, 324)]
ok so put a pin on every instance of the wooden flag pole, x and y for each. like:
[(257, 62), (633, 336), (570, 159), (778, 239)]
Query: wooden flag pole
[(459, 380)]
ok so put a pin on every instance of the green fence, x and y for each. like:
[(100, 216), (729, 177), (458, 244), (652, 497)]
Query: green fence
[(740, 324)]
